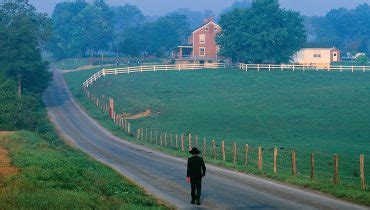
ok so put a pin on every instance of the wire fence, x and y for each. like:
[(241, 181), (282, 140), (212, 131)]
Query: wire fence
[(337, 169)]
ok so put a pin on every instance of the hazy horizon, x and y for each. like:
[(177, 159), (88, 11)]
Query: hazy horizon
[(160, 7)]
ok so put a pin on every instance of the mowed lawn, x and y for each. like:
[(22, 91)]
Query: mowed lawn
[(314, 111)]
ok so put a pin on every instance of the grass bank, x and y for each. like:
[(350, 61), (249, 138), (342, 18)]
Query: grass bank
[(51, 175)]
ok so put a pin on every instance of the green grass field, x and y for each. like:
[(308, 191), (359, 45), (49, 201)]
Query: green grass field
[(323, 112), (286, 109), (54, 176)]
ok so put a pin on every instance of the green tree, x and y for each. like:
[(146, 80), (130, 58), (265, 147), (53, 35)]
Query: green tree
[(128, 21), (22, 71), (165, 33), (22, 30), (262, 33), (195, 18), (81, 29), (347, 29), (363, 59), (68, 38)]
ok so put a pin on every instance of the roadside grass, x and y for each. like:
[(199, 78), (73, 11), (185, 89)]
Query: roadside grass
[(71, 63), (75, 63), (54, 176), (188, 92)]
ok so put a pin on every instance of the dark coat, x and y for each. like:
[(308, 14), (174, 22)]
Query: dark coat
[(196, 167)]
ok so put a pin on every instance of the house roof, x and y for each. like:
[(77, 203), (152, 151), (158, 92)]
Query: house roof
[(308, 48), (211, 22)]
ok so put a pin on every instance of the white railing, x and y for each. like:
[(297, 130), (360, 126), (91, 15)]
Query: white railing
[(134, 69), (242, 66), (293, 67)]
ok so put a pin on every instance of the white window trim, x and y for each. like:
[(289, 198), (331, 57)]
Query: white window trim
[(200, 51), (200, 40)]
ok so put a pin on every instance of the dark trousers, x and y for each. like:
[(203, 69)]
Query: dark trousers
[(196, 188)]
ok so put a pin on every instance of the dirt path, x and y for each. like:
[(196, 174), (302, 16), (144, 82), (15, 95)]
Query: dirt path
[(146, 113), (6, 169)]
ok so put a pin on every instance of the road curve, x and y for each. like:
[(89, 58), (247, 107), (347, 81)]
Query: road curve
[(164, 176)]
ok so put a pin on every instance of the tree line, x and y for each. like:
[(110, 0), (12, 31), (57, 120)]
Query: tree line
[(346, 29), (83, 29)]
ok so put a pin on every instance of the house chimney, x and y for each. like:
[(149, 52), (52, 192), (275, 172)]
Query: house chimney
[(210, 19)]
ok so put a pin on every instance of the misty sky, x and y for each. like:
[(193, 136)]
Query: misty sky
[(158, 7)]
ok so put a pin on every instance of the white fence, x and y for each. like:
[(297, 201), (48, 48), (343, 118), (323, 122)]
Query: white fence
[(129, 70), (293, 67), (242, 66)]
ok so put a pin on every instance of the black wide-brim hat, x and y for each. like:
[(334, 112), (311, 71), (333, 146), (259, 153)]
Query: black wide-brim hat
[(194, 151)]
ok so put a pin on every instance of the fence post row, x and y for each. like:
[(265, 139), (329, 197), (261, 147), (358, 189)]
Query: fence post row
[(120, 121)]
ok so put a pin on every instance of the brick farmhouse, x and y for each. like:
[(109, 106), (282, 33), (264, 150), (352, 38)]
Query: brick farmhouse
[(201, 47)]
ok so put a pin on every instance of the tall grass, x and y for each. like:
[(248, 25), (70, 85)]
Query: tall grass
[(54, 176)]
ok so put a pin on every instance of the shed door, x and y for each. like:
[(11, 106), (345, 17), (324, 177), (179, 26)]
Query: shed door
[(335, 56)]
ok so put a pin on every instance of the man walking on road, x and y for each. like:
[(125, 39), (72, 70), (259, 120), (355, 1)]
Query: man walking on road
[(196, 171)]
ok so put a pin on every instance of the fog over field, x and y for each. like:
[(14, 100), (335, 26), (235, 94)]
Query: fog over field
[(158, 7)]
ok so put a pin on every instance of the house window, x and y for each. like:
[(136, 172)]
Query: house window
[(215, 29), (335, 54), (317, 55), (202, 51), (207, 28), (202, 38)]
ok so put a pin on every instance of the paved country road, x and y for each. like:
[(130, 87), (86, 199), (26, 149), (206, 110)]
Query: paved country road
[(164, 176)]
